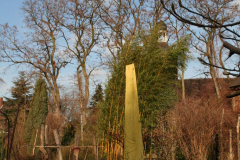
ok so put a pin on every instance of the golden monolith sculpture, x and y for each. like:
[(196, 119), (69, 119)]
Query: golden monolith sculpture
[(133, 144)]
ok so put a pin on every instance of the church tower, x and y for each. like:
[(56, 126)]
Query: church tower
[(162, 37)]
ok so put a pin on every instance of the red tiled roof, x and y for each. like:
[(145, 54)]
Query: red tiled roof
[(204, 87)]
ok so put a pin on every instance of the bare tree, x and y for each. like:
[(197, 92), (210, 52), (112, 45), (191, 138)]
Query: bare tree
[(39, 48), (208, 39), (197, 123), (210, 21), (123, 20), (81, 32)]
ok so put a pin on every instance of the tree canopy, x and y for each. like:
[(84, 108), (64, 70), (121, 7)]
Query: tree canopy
[(21, 92)]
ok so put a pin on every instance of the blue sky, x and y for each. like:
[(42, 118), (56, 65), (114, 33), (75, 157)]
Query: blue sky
[(11, 13)]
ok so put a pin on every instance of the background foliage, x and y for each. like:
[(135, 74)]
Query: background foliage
[(156, 71)]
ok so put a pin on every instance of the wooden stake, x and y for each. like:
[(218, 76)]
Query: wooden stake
[(45, 155), (35, 142), (133, 143), (47, 142)]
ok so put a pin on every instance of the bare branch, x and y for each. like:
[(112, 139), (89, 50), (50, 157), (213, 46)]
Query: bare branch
[(208, 64), (233, 49)]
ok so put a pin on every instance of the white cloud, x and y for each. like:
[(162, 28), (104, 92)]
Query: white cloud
[(99, 72)]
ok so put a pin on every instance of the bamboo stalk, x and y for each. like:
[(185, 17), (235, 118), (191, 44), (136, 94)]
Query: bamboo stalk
[(86, 154), (102, 145), (94, 146)]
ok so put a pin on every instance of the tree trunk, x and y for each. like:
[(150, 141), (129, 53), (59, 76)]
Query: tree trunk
[(80, 103), (58, 144), (54, 89), (211, 55), (35, 140), (212, 72), (44, 152), (86, 90), (76, 150), (221, 63), (13, 132), (47, 142)]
